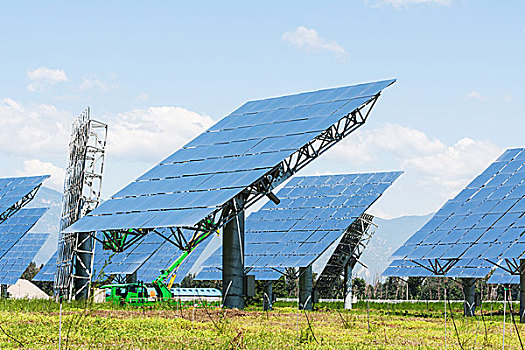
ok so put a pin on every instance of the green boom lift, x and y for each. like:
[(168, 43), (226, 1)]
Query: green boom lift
[(136, 294)]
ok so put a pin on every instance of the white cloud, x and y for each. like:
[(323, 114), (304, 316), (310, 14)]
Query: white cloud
[(146, 134), (33, 130), (399, 141), (310, 41), (93, 83), (43, 78), (428, 161), (475, 95), (405, 3), (34, 167), (43, 131), (454, 165), (142, 97)]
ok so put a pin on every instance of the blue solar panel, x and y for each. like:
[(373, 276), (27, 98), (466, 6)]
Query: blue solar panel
[(14, 189), (405, 268), (18, 258), (217, 165), (484, 221), (209, 274), (16, 226), (500, 276), (272, 242)]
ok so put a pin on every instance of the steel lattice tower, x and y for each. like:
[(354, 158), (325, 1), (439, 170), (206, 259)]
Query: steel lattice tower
[(82, 187)]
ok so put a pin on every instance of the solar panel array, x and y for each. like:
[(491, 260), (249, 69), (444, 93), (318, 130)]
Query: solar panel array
[(484, 221), (15, 261), (13, 189), (17, 226), (217, 165), (16, 251), (313, 213)]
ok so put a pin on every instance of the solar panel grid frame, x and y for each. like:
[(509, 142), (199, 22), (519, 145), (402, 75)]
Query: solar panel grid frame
[(308, 237), (489, 223), (191, 196)]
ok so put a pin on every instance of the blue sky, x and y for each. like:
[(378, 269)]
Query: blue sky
[(160, 72)]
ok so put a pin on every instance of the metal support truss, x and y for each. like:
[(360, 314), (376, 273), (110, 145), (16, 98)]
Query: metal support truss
[(82, 188), (437, 266), (18, 205), (347, 253), (118, 240), (512, 266), (440, 267)]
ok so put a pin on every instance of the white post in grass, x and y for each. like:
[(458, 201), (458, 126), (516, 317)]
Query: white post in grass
[(445, 318), (504, 313)]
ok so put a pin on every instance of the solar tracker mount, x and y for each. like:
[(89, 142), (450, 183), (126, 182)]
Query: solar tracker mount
[(346, 109)]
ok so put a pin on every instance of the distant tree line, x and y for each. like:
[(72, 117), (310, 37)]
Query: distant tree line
[(412, 288)]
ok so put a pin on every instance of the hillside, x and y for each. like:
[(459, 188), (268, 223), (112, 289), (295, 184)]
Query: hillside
[(390, 235)]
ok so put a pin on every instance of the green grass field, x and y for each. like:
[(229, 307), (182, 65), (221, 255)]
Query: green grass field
[(35, 325)]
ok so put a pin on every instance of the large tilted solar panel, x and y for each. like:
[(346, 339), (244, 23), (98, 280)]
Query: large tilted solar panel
[(314, 212), (48, 271), (16, 226), (17, 259), (217, 165), (164, 257), (13, 189), (483, 222)]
